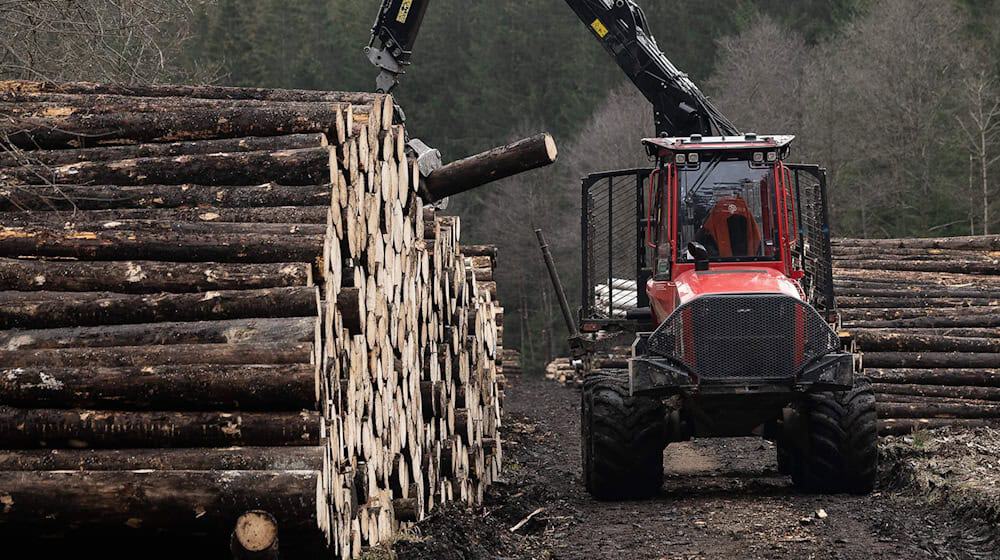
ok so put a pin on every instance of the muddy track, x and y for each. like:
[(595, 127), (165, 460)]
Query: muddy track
[(722, 499)]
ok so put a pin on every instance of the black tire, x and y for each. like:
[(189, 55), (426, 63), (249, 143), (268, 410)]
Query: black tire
[(843, 442), (622, 439)]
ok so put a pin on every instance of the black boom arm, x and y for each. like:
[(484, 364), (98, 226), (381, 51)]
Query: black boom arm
[(393, 36), (679, 107)]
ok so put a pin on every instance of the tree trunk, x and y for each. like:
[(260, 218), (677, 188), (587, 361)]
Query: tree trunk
[(194, 387), (106, 197), (874, 340), (309, 166), (233, 331), (266, 215), (965, 267), (227, 459), (939, 376), (988, 243), (903, 426), (946, 391), (82, 309), (35, 428), (172, 354), (147, 276), (936, 410), (478, 170), (931, 360), (251, 144)]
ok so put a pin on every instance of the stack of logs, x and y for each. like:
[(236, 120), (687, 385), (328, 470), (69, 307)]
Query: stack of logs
[(926, 315), (217, 300)]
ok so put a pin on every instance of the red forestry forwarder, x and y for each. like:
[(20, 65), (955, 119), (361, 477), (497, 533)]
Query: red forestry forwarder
[(715, 265)]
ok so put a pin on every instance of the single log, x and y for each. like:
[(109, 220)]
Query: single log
[(210, 214), (35, 428), (55, 125), (82, 309), (479, 251), (937, 376), (914, 302), (498, 163), (172, 354), (948, 391), (179, 502), (158, 245), (199, 92), (893, 313), (936, 322), (875, 340), (192, 387), (199, 227), (966, 267), (903, 426), (224, 459), (111, 153), (936, 410), (147, 276), (255, 537), (308, 166), (931, 360), (969, 332), (848, 251), (974, 242), (234, 331), (106, 197)]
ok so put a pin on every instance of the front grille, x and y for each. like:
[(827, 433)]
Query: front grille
[(752, 337)]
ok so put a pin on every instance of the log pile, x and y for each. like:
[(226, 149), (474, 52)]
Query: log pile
[(561, 370), (228, 301), (926, 315)]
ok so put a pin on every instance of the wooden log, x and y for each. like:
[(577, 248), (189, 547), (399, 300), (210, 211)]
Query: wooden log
[(893, 313), (234, 331), (55, 125), (106, 197), (914, 302), (82, 309), (936, 376), (158, 245), (931, 360), (965, 267), (936, 410), (873, 340), (75, 429), (479, 251), (945, 391), (309, 166), (903, 426), (958, 332), (208, 214), (255, 537), (147, 276), (199, 92), (936, 322), (199, 227), (975, 242), (848, 251), (218, 459), (190, 387), (172, 354), (179, 502), (110, 153), (484, 168)]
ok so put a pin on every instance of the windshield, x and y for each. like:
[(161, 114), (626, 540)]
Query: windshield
[(729, 207)]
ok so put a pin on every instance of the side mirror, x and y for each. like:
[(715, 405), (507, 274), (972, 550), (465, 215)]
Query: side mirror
[(700, 255)]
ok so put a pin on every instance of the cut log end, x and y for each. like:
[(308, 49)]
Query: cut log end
[(255, 536)]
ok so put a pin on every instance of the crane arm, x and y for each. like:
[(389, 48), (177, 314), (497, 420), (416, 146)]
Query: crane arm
[(393, 36)]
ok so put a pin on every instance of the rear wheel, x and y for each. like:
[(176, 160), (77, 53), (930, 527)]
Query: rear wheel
[(622, 439), (843, 448)]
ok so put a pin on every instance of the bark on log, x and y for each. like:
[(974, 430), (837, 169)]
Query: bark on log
[(893, 313), (158, 245), (965, 267), (107, 197), (75, 429), (219, 459), (147, 276), (936, 410), (83, 309), (931, 360), (210, 214), (268, 388), (255, 537), (174, 501), (875, 340), (947, 391), (55, 125), (913, 292), (938, 376), (913, 302), (234, 331), (976, 242), (110, 153), (173, 354), (308, 166), (197, 228), (903, 426), (498, 163), (479, 251), (947, 322)]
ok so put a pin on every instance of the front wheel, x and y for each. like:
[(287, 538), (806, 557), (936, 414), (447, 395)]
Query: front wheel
[(842, 453), (622, 437)]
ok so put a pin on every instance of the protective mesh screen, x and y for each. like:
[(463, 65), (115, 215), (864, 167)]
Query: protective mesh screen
[(814, 250), (744, 337)]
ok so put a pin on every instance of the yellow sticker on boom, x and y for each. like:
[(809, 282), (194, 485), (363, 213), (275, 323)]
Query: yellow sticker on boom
[(404, 11), (599, 28)]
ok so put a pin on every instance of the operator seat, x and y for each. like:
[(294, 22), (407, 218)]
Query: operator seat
[(731, 228)]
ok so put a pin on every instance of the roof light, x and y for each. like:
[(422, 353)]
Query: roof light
[(750, 136), (772, 156), (693, 158), (680, 159), (695, 138), (758, 157)]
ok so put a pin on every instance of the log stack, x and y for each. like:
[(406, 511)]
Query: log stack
[(222, 301), (926, 315)]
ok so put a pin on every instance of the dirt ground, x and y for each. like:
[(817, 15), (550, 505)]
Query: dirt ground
[(722, 499)]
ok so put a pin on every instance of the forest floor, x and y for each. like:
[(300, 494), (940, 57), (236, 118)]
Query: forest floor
[(722, 499)]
